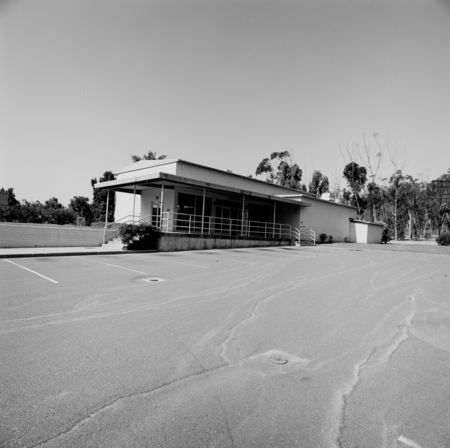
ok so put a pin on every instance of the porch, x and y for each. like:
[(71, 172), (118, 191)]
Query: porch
[(193, 208)]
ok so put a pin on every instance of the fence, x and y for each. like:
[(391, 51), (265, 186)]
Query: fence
[(172, 222)]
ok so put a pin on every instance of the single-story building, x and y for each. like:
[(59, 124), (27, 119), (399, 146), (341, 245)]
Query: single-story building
[(190, 200)]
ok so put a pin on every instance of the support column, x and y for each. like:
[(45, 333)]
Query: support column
[(161, 204), (106, 217), (274, 216), (242, 220), (203, 209), (299, 224), (134, 200)]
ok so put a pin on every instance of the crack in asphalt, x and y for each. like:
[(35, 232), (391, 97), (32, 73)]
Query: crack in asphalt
[(374, 359), (113, 403)]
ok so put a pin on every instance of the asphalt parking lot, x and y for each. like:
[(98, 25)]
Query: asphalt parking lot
[(270, 347)]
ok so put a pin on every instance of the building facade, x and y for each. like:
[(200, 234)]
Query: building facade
[(185, 198)]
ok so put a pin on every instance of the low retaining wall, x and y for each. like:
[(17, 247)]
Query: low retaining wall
[(172, 242), (14, 234)]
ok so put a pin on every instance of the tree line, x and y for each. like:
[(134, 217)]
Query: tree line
[(52, 211), (407, 207), (79, 208)]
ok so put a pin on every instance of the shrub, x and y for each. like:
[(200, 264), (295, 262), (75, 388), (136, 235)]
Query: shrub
[(101, 225), (443, 239), (330, 239), (139, 236), (346, 239), (323, 237)]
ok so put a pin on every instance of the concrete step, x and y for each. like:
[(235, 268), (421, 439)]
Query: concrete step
[(307, 243), (115, 243)]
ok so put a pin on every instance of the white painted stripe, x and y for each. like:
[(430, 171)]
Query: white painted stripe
[(113, 265), (409, 442), (34, 272), (188, 264)]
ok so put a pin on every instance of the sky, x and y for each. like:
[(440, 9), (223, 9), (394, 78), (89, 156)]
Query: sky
[(86, 84)]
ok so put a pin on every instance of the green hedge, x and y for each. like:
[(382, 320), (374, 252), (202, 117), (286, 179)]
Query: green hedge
[(139, 236)]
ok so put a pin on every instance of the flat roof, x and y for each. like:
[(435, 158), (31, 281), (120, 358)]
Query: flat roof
[(144, 164), (125, 186)]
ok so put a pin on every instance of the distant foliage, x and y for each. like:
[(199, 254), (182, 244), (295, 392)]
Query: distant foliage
[(38, 213), (443, 239), (280, 170), (99, 200), (319, 184), (150, 156), (81, 207), (139, 236), (323, 237), (330, 239), (11, 196)]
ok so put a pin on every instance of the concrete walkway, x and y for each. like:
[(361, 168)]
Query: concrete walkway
[(24, 252), (402, 246)]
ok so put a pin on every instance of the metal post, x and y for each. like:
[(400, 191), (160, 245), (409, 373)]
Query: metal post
[(162, 201), (242, 221), (203, 208), (274, 215), (106, 218), (134, 200), (190, 216), (265, 230)]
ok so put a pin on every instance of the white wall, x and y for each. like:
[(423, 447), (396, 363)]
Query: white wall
[(45, 235), (124, 205), (366, 233), (327, 217), (154, 194)]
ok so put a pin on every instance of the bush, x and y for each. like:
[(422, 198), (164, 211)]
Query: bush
[(139, 236), (323, 237), (330, 239), (443, 239), (346, 239), (101, 225)]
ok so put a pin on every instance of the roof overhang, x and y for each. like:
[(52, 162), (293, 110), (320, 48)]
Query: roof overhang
[(170, 180)]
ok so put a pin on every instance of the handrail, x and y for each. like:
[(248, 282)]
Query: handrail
[(307, 234), (172, 222), (125, 222), (118, 220)]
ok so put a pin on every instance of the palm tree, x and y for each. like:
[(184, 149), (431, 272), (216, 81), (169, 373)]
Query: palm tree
[(150, 156)]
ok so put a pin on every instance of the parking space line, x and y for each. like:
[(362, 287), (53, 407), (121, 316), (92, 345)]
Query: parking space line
[(34, 272), (188, 264), (114, 266), (409, 442)]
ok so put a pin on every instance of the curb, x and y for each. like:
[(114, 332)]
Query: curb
[(73, 254)]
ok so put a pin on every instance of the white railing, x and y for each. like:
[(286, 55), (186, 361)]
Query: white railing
[(128, 219), (304, 234), (184, 223), (307, 234), (112, 233)]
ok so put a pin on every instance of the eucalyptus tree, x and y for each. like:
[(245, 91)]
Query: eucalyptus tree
[(280, 169), (149, 156), (319, 184), (356, 177)]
